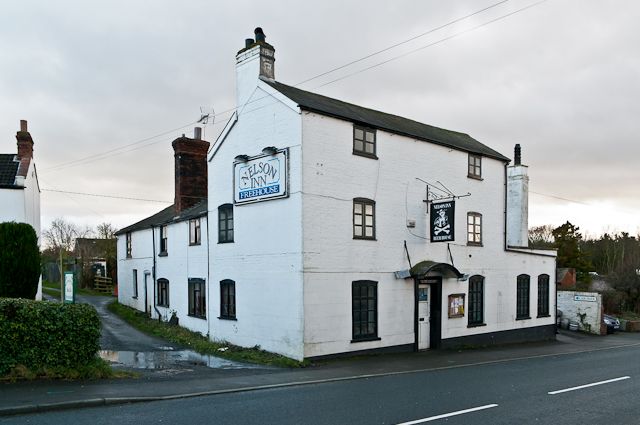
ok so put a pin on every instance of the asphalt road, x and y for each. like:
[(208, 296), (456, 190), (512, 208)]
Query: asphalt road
[(514, 392)]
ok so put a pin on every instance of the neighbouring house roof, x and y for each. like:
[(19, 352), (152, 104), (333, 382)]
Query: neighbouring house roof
[(388, 122), (94, 247), (167, 216), (8, 170)]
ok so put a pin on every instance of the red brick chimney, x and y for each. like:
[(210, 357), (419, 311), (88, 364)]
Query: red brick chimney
[(25, 148), (191, 170)]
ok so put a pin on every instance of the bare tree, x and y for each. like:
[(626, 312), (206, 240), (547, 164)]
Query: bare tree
[(541, 236), (106, 231), (62, 234)]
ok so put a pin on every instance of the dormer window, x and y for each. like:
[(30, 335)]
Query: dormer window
[(475, 167), (364, 141)]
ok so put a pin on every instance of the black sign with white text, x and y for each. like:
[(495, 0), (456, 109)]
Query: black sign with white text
[(442, 216)]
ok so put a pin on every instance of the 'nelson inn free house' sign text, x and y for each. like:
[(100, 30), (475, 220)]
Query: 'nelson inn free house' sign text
[(261, 178)]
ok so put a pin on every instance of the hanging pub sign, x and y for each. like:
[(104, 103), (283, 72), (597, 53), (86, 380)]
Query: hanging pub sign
[(261, 178), (442, 217)]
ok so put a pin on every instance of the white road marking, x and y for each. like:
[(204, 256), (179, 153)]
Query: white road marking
[(588, 385), (448, 415)]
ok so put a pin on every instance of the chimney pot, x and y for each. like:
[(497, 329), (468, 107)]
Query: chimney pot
[(517, 155), (260, 37), (197, 133), (23, 125), (248, 42)]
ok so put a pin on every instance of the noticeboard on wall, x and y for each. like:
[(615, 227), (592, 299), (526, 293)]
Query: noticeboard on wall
[(456, 305), (442, 220), (261, 178)]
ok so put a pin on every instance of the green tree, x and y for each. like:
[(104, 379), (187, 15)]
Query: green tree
[(19, 261), (567, 241)]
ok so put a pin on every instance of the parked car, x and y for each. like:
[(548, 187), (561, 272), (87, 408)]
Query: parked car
[(613, 324)]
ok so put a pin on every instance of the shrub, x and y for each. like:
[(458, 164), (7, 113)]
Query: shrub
[(19, 261), (40, 335)]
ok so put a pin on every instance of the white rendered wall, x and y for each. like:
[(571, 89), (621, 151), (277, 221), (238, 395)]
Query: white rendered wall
[(517, 206), (265, 259), (181, 263), (12, 205), (333, 176), (142, 261)]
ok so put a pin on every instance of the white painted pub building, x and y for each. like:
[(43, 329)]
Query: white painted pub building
[(340, 229)]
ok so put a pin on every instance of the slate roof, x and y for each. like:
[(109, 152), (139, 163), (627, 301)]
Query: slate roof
[(388, 122), (8, 170), (167, 216)]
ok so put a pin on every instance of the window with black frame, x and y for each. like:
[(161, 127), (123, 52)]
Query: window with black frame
[(128, 240), (543, 295), (163, 293), (364, 218), (197, 298), (194, 231), (364, 141), (227, 299), (522, 297), (364, 310), (476, 300), (475, 167), (225, 223), (163, 240)]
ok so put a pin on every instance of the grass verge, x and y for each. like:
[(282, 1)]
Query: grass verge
[(98, 369), (199, 343)]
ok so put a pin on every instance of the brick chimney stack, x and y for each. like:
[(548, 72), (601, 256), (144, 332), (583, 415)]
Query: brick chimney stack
[(25, 148), (190, 170)]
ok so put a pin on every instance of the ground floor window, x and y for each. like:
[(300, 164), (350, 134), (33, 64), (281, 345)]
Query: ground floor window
[(364, 299), (197, 298), (227, 299), (476, 300), (543, 295), (522, 297), (163, 292), (135, 283)]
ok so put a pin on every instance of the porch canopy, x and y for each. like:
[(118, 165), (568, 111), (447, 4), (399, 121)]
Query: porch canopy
[(421, 269)]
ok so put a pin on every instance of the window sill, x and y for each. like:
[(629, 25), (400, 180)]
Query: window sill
[(361, 238), (197, 317), (220, 242), (371, 338), (476, 325), (135, 297), (194, 244), (163, 254), (227, 318), (543, 315), (474, 177), (162, 305), (365, 154), (128, 257), (474, 244), (523, 318)]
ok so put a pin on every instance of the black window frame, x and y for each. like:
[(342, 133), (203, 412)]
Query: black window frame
[(128, 244), (475, 223), (135, 283), (225, 217), (363, 152), (197, 306), (364, 291), (523, 297), (164, 240), (195, 233), (543, 295), (227, 300), (363, 203), (162, 292), (476, 301), (474, 166)]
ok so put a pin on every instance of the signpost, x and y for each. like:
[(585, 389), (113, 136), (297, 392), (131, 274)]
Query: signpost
[(69, 288)]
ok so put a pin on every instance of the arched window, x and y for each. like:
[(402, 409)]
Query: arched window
[(197, 298), (543, 295), (163, 292), (476, 300), (522, 297), (227, 299)]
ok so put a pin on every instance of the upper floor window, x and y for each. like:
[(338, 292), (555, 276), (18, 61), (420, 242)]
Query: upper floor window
[(364, 141), (476, 300), (475, 166), (474, 228), (128, 239), (163, 292), (194, 231), (543, 295), (225, 223), (197, 299), (364, 218), (163, 240), (522, 297), (227, 299), (364, 309)]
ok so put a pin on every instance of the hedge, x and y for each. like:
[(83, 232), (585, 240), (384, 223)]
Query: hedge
[(19, 260), (40, 335)]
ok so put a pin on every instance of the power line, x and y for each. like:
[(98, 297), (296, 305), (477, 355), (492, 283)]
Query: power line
[(106, 196), (119, 150)]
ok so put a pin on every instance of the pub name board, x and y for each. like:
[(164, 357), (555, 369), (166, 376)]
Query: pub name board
[(261, 178), (442, 217)]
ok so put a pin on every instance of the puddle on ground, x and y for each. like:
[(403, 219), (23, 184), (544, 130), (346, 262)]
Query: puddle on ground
[(170, 359)]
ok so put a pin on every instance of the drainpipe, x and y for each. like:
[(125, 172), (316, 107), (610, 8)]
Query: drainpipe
[(505, 207), (153, 272), (208, 304)]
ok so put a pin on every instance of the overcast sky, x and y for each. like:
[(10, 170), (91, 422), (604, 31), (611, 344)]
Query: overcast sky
[(561, 78)]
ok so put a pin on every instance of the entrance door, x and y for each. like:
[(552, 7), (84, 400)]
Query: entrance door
[(424, 309), (435, 329)]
